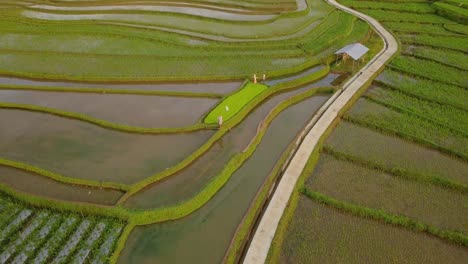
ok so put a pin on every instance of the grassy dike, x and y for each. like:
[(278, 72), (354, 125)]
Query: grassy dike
[(108, 91), (380, 215), (104, 123), (60, 178), (398, 172), (234, 121), (139, 217), (134, 188)]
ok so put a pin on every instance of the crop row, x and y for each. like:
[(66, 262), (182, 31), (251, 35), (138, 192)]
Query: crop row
[(444, 115), (337, 29), (448, 57), (33, 235), (415, 28), (430, 70), (457, 28), (104, 123), (425, 89), (447, 42), (453, 12), (408, 126), (393, 16), (413, 7), (380, 215), (397, 171)]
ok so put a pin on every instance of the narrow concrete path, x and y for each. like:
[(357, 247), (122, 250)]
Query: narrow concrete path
[(260, 245)]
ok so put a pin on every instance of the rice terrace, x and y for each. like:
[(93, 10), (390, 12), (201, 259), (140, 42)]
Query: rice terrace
[(233, 131)]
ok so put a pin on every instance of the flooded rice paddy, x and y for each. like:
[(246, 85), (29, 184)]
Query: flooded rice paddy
[(37, 185), (81, 150), (133, 110), (204, 236)]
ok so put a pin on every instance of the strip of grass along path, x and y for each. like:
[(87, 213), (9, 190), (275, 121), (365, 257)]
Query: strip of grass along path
[(235, 102), (380, 215)]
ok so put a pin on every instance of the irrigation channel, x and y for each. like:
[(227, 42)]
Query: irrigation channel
[(202, 237)]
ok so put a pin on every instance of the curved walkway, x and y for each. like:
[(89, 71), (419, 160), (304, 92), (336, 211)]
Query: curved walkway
[(260, 244)]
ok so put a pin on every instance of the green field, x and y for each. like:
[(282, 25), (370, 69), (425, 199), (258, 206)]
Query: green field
[(391, 178)]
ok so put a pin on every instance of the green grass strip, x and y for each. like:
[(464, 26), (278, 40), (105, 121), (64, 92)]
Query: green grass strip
[(436, 116), (76, 207), (382, 216), (121, 243), (104, 123), (232, 104), (109, 91), (61, 178), (188, 207), (234, 121), (383, 127), (453, 12), (397, 171)]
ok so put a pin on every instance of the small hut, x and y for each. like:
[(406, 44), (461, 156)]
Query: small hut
[(354, 51)]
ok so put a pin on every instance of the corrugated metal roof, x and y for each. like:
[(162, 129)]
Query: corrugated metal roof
[(355, 50)]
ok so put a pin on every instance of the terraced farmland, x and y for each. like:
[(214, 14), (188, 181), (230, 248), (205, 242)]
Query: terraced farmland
[(391, 179), (110, 147)]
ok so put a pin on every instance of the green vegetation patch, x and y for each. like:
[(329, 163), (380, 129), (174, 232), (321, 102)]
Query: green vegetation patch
[(407, 27), (395, 16), (413, 7), (452, 58), (235, 102), (457, 28), (394, 155), (354, 183), (448, 116), (408, 126), (41, 235), (319, 233), (447, 42), (430, 70), (453, 12), (426, 89)]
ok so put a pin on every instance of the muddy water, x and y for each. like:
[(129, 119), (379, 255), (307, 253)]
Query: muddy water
[(81, 150), (204, 236), (188, 182), (38, 185), (201, 87), (134, 110)]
